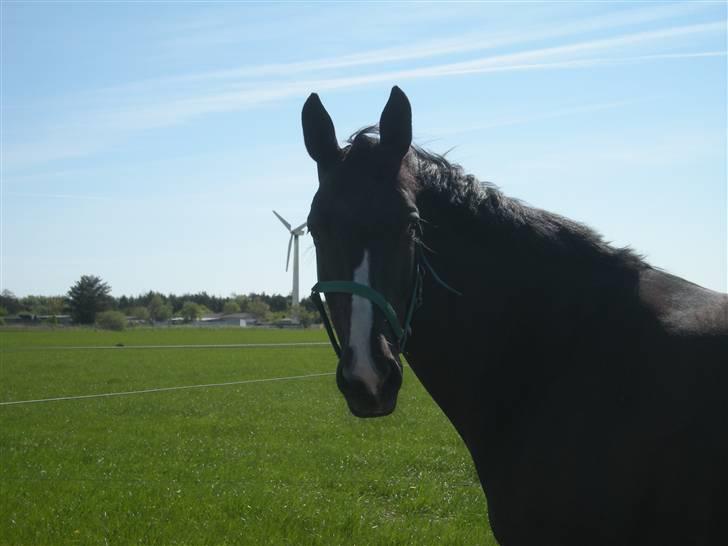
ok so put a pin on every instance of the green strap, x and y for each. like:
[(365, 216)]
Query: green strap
[(364, 291), (422, 265), (316, 297), (435, 276)]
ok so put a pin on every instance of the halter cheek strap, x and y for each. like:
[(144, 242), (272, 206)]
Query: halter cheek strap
[(364, 291)]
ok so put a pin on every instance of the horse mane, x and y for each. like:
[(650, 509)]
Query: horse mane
[(487, 207)]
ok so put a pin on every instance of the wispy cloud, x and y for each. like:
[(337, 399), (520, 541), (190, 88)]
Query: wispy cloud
[(246, 94), (435, 48), (119, 114), (529, 118), (565, 52)]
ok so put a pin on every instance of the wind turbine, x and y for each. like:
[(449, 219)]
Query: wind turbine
[(295, 234)]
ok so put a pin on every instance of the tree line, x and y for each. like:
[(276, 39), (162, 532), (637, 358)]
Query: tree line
[(90, 297)]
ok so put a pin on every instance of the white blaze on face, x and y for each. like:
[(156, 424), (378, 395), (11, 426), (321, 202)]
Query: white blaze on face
[(360, 331)]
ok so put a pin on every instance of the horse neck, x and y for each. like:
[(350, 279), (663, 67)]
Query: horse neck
[(525, 310)]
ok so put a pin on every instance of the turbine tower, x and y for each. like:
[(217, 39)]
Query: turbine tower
[(295, 234)]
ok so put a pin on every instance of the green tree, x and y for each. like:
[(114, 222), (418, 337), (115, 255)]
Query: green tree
[(191, 311), (90, 295), (34, 304), (139, 312), (55, 305), (279, 303), (10, 302), (155, 305), (159, 310), (165, 312), (259, 309), (306, 317), (43, 305), (309, 305), (111, 320), (242, 301), (231, 306)]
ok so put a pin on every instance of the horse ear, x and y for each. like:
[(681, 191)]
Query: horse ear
[(395, 125), (318, 131)]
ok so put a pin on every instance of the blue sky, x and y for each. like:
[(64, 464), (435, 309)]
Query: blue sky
[(147, 143)]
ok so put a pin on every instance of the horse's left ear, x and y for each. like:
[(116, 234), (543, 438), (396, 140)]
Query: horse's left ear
[(395, 125)]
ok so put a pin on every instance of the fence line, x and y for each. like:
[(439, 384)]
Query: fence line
[(165, 389)]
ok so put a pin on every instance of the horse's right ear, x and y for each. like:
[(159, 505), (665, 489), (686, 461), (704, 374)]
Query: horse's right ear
[(395, 125), (318, 132)]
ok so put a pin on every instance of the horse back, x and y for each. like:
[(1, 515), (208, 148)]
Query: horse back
[(684, 309), (641, 424)]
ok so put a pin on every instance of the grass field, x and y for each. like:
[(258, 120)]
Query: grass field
[(279, 462)]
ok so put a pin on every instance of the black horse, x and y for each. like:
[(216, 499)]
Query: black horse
[(590, 388)]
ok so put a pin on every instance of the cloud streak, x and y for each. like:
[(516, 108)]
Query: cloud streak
[(427, 50), (241, 89), (245, 94), (531, 118)]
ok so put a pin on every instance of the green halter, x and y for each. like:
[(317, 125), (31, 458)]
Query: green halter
[(364, 291)]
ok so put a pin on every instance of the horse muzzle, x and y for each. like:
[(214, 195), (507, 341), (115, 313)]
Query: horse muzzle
[(373, 394)]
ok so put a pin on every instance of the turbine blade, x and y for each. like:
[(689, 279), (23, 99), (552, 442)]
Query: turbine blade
[(296, 230), (288, 226), (288, 258)]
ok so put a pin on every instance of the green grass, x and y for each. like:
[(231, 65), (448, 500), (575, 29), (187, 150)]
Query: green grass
[(260, 463), (15, 338)]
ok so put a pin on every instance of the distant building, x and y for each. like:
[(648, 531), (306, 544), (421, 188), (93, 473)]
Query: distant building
[(241, 320), (136, 321), (54, 319), (29, 319)]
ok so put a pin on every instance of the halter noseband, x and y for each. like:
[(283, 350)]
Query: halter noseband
[(357, 289)]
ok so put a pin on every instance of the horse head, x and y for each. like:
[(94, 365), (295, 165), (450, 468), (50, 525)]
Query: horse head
[(364, 223)]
